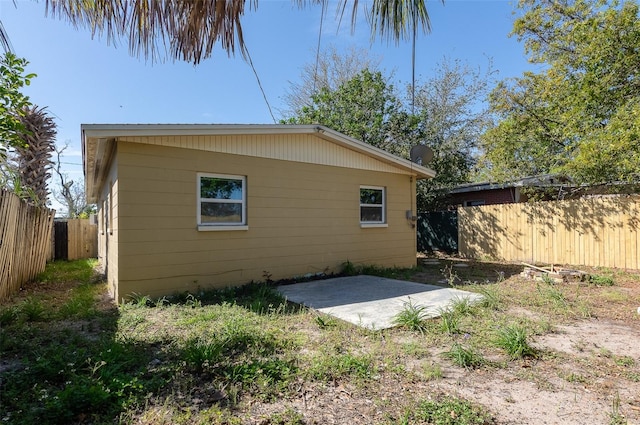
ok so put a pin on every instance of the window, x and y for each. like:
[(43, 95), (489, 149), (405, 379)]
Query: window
[(372, 205), (111, 208), (221, 202), (105, 215), (474, 203)]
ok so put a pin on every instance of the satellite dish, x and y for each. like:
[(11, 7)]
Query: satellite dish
[(421, 154)]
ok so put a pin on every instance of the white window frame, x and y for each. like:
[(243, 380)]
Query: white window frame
[(383, 222), (222, 226)]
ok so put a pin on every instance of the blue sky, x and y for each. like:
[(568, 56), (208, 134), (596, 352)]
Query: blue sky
[(84, 80)]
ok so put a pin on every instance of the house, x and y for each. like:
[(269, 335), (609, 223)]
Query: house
[(487, 193), (183, 207)]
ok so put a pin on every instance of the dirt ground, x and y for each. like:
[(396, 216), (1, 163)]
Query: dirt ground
[(588, 370)]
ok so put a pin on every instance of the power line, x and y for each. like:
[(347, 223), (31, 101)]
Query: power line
[(264, 95), (315, 75)]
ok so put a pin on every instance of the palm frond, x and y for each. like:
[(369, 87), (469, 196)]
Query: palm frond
[(186, 30), (4, 40), (396, 19), (189, 29)]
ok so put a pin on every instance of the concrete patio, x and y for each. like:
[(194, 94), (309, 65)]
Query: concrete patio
[(369, 301)]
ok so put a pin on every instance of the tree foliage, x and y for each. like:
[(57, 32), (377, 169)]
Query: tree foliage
[(451, 117), (579, 116), (331, 69), (447, 117), (13, 103), (361, 107)]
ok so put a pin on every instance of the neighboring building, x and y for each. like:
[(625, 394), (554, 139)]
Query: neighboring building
[(183, 207), (474, 194)]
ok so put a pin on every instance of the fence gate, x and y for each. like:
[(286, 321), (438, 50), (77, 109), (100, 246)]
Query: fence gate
[(438, 231), (61, 240)]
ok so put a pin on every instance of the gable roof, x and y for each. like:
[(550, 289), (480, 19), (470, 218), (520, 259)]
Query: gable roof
[(98, 143)]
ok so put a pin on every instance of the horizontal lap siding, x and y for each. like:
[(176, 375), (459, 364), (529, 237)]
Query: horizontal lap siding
[(303, 218), (108, 238)]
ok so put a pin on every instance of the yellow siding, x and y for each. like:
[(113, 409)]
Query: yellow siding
[(287, 147), (108, 229), (302, 218)]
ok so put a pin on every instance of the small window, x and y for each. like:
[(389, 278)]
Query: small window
[(474, 203), (111, 208), (372, 205), (221, 201), (105, 213)]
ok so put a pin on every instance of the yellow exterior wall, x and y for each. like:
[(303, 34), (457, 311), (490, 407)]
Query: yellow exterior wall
[(312, 149), (302, 218), (108, 228)]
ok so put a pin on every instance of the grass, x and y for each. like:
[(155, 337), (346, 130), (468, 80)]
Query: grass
[(447, 410), (514, 340), (601, 280), (243, 355), (412, 317), (328, 367), (464, 356)]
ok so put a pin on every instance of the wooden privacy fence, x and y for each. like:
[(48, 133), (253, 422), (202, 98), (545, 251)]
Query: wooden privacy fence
[(74, 239), (597, 232), (25, 233)]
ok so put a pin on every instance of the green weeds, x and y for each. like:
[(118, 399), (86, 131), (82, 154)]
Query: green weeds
[(465, 357), (601, 280), (329, 367), (412, 317), (514, 340), (447, 410)]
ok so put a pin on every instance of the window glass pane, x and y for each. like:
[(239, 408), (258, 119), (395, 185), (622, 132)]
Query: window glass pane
[(371, 214), (371, 196), (220, 212), (219, 188)]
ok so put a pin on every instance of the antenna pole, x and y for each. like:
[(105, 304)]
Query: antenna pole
[(413, 61)]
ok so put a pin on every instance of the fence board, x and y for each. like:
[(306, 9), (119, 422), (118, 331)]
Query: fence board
[(25, 232), (83, 239), (599, 232), (74, 239)]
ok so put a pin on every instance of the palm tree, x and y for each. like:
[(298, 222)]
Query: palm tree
[(33, 159), (188, 30)]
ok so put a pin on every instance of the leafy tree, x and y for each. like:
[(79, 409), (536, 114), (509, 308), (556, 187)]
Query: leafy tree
[(331, 69), (361, 107), (190, 29), (447, 118), (579, 116), (13, 104), (451, 117)]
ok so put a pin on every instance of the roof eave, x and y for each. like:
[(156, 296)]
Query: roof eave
[(96, 136)]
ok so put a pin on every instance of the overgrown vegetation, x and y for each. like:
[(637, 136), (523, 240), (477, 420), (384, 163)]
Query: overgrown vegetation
[(223, 357)]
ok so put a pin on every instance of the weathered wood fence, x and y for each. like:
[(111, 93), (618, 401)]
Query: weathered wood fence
[(598, 232), (25, 235), (74, 239)]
